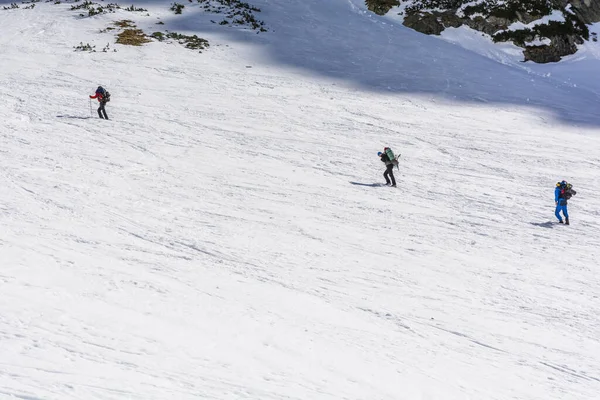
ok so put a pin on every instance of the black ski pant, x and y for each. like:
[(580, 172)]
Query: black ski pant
[(101, 110), (389, 173)]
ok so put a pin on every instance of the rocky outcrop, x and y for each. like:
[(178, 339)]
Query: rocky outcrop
[(558, 48), (493, 17), (426, 23), (434, 22), (588, 11), (381, 7), (449, 19), (483, 25)]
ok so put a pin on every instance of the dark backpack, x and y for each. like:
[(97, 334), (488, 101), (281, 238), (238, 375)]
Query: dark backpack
[(105, 94), (568, 191)]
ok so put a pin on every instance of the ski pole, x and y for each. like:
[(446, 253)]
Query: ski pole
[(91, 115)]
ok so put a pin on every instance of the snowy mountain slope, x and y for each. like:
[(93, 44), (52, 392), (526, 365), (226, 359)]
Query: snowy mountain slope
[(577, 71), (209, 242), (385, 56), (359, 53)]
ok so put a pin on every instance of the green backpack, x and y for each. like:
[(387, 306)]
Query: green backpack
[(391, 156), (388, 151)]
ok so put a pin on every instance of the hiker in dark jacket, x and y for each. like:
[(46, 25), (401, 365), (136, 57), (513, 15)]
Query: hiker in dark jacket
[(389, 169), (102, 99)]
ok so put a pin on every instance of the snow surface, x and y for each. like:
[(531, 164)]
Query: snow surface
[(578, 70), (222, 237)]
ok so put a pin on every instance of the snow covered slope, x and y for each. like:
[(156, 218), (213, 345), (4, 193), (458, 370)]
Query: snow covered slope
[(222, 237), (576, 70)]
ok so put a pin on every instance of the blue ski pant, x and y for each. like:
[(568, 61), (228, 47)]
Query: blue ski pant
[(560, 208)]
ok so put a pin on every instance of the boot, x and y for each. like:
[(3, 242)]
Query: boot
[(566, 221)]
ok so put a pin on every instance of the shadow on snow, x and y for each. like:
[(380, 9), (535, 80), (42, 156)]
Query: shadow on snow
[(73, 117), (548, 224), (367, 184)]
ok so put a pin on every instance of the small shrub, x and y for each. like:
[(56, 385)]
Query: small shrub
[(475, 9), (431, 4), (85, 5), (126, 23), (95, 9), (192, 42), (236, 12), (158, 36), (85, 47), (12, 6), (133, 9), (579, 26), (518, 37), (177, 8), (571, 26), (509, 9)]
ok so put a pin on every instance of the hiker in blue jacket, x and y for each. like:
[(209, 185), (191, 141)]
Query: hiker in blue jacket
[(563, 192)]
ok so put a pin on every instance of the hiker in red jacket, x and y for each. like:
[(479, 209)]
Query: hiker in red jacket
[(103, 97)]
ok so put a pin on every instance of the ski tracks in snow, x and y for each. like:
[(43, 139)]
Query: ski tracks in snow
[(207, 241)]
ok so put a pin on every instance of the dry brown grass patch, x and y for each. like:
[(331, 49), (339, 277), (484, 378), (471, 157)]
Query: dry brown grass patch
[(132, 37), (125, 24)]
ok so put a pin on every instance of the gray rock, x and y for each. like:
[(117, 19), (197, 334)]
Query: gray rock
[(500, 23), (426, 23), (449, 19), (561, 43), (559, 47), (381, 7), (482, 25), (588, 11), (526, 18), (541, 54)]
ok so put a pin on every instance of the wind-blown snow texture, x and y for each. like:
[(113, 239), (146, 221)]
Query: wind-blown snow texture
[(220, 237)]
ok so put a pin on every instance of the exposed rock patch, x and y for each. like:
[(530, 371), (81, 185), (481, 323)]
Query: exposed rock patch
[(381, 7), (548, 41), (426, 23)]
